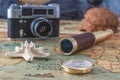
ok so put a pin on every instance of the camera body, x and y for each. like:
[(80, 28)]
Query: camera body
[(33, 21)]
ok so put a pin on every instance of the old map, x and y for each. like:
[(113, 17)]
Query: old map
[(104, 55)]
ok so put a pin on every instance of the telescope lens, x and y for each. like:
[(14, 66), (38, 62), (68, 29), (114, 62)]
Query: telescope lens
[(66, 46)]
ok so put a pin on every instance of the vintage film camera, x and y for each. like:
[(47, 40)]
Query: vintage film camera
[(33, 21)]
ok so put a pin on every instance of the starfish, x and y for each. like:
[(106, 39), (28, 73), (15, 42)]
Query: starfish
[(28, 51)]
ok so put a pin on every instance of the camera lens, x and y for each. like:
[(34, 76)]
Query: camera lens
[(41, 28)]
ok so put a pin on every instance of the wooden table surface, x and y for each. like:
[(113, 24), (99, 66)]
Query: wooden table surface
[(104, 55)]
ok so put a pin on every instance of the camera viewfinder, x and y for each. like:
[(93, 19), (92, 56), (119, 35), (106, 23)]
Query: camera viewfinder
[(40, 11), (26, 11)]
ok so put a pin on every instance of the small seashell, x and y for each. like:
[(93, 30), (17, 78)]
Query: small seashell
[(28, 51)]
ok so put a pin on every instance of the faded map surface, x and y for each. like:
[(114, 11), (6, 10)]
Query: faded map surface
[(104, 55)]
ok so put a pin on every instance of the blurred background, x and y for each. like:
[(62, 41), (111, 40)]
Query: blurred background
[(70, 9)]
